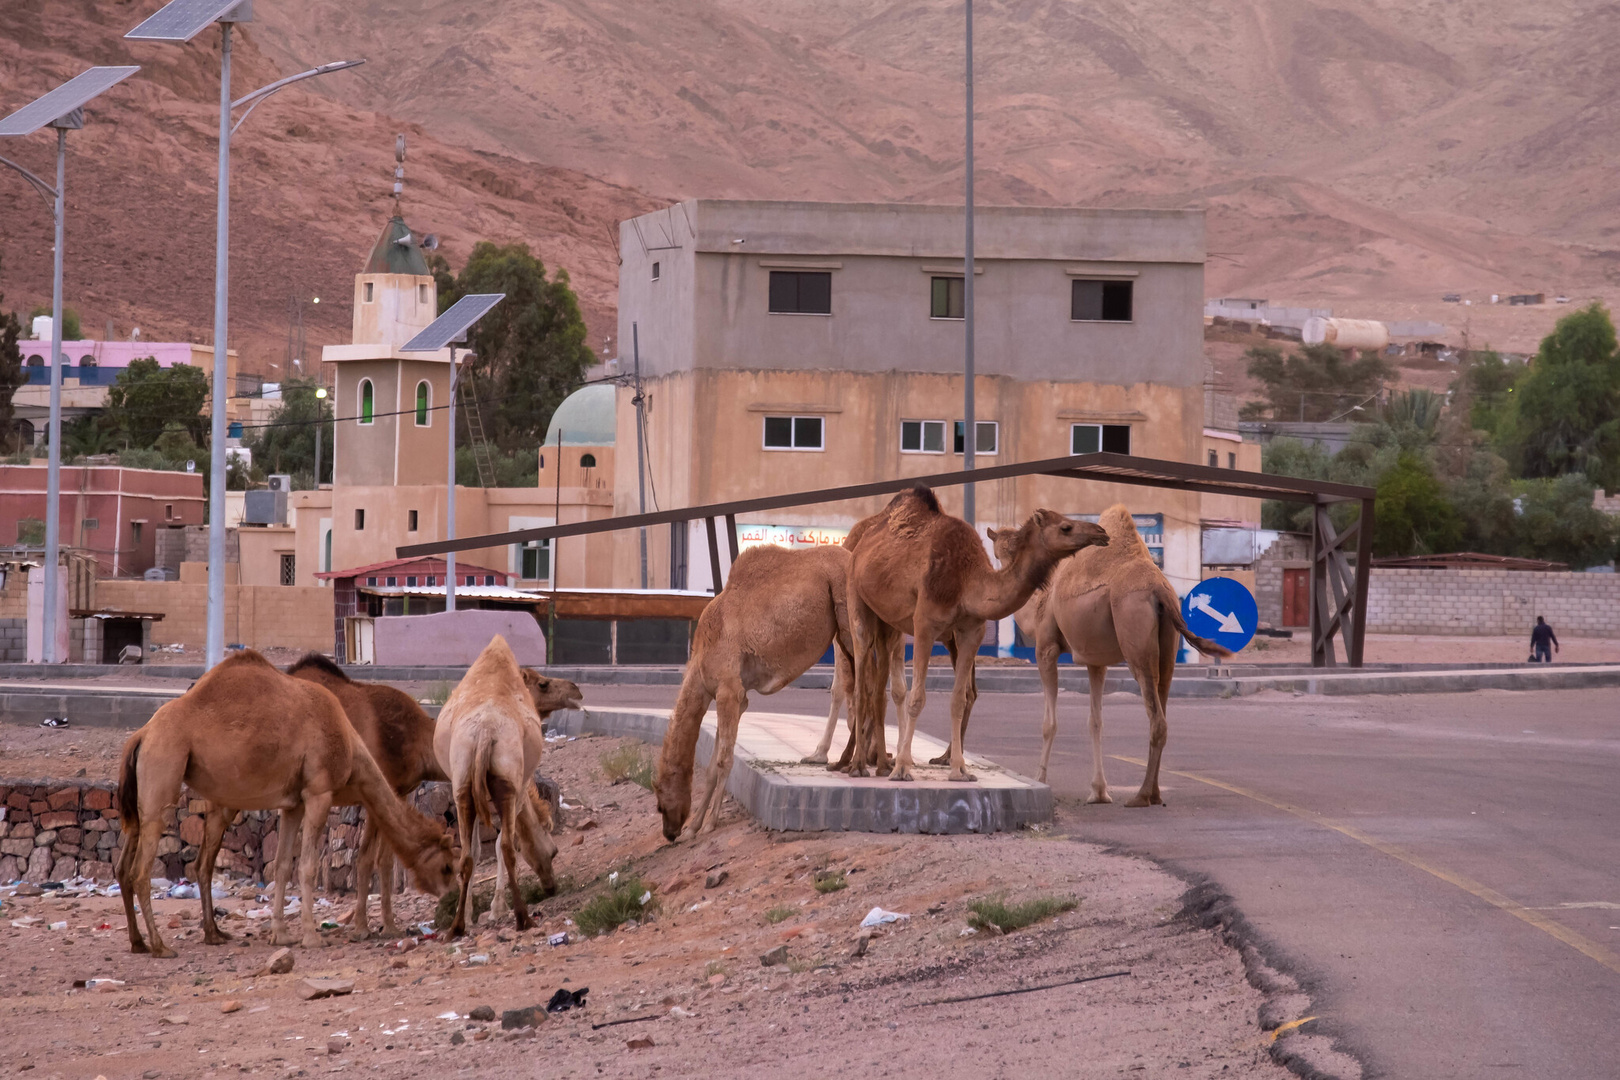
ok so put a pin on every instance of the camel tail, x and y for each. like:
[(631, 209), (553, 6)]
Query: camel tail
[(1172, 611), (129, 793), (480, 782)]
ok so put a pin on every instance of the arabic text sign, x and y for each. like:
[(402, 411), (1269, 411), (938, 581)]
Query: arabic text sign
[(791, 537), (1223, 611)]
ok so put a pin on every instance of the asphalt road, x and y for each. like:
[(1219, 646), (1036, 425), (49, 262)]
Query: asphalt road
[(1441, 871)]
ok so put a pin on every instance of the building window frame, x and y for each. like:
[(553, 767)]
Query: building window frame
[(423, 296), (359, 519), (410, 521), (534, 560), (288, 568), (945, 295), (424, 404), (797, 434), (368, 292), (1101, 438), (655, 269), (799, 292), (984, 427), (587, 461), (922, 436), (1102, 300), (368, 403)]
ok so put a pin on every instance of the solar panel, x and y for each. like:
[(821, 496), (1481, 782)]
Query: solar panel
[(453, 323), (183, 20), (64, 99)]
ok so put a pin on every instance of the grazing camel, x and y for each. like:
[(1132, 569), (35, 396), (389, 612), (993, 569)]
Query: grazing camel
[(919, 568), (247, 737), (1104, 606), (489, 738), (774, 618)]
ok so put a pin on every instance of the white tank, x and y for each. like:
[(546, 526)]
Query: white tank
[(1346, 333)]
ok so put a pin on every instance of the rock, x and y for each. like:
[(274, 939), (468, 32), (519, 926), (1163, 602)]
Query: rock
[(336, 1044), (778, 955), (512, 1019), (457, 1038), (28, 888), (717, 979), (482, 1012), (230, 1006), (643, 1043), (860, 947), (175, 1018), (39, 866), (717, 879), (314, 989), (280, 962), (65, 799), (578, 840)]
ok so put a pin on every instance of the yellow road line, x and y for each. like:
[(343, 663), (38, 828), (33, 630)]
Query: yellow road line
[(1579, 942)]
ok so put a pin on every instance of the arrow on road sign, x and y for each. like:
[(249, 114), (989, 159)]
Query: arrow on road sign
[(1229, 624)]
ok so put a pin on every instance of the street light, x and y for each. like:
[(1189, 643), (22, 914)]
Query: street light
[(62, 109), (178, 22), (320, 418)]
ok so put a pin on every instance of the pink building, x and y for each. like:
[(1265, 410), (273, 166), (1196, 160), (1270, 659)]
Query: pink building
[(112, 512)]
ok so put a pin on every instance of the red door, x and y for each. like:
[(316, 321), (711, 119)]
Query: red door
[(1296, 597)]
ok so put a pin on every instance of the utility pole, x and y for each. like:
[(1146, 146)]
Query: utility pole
[(641, 445), (970, 427), (450, 489)]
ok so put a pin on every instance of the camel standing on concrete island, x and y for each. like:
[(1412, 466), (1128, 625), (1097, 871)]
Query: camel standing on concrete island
[(774, 618), (843, 695), (918, 568), (247, 737), (1105, 606), (489, 738)]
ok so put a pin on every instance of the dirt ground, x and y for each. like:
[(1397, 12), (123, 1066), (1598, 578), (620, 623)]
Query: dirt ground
[(689, 979)]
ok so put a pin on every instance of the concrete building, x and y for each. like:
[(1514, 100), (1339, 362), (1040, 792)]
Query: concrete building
[(114, 513), (789, 346)]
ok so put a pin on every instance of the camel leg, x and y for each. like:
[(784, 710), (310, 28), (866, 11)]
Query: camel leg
[(1167, 670), (497, 899), (922, 646), (369, 861), (1046, 662), (538, 848), (135, 882), (506, 846), (972, 696), (1099, 783), (467, 833), (1146, 672), (214, 825), (730, 702), (292, 821), (843, 676), (385, 891), (316, 807), (963, 694), (866, 630)]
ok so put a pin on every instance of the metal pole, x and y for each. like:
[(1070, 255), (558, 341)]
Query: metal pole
[(450, 492), (320, 403), (970, 427), (555, 546), (53, 470), (641, 446), (222, 269)]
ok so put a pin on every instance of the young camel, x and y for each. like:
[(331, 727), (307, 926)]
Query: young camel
[(1105, 606), (774, 618), (247, 737), (918, 568), (489, 738)]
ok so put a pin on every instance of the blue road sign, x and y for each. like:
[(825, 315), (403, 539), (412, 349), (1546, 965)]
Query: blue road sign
[(1222, 610)]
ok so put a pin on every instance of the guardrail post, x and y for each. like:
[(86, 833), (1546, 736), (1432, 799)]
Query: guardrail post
[(731, 535), (714, 556), (1364, 556)]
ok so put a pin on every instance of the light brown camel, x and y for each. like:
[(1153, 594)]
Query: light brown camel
[(921, 569), (843, 684), (489, 739), (247, 737), (1104, 606), (774, 618)]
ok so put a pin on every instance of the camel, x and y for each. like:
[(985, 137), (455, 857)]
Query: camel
[(488, 738), (774, 618), (1104, 606), (843, 683), (918, 568), (247, 737)]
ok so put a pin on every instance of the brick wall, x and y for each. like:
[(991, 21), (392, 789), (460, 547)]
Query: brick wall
[(258, 616), (1492, 602), (1288, 549)]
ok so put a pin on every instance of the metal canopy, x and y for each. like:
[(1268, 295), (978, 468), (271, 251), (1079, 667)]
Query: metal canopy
[(452, 325), (183, 20), (67, 98)]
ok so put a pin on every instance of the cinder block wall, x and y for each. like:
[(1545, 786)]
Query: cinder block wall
[(258, 616), (14, 641), (1492, 602)]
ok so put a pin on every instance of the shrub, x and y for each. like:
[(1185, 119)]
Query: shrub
[(481, 901), (995, 911), (777, 914), (621, 903), (830, 881), (439, 692), (629, 762)]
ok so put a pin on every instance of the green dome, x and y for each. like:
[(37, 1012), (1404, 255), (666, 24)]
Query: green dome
[(586, 417)]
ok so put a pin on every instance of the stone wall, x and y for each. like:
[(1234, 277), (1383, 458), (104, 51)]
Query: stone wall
[(258, 616), (1289, 549), (1492, 602), (51, 830)]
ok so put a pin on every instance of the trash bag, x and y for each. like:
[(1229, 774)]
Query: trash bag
[(565, 999)]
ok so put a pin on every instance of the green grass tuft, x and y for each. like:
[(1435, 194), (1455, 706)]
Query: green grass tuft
[(631, 762), (619, 904), (445, 913), (777, 914), (995, 911), (829, 881), (438, 693)]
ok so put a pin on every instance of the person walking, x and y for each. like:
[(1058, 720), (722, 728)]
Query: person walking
[(1542, 642)]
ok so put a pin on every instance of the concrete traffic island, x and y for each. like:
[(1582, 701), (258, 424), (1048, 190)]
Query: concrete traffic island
[(769, 781)]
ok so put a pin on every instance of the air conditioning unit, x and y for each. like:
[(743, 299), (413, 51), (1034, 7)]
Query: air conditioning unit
[(280, 482)]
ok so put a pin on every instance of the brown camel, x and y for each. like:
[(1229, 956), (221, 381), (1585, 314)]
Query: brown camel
[(489, 739), (843, 683), (919, 568), (1104, 606), (247, 737), (399, 736), (774, 618)]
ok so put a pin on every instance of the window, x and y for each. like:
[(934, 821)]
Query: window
[(423, 296), (289, 568), (391, 581), (168, 511), (371, 581), (796, 292), (793, 433), (135, 532), (1214, 460), (87, 361), (367, 291), (1100, 301), (489, 579), (1231, 460), (36, 360), (534, 562), (410, 521), (471, 580), (587, 461), (1106, 438), (432, 579), (366, 405), (411, 581), (655, 271), (422, 393), (947, 298), (922, 436), (359, 520), (988, 438)]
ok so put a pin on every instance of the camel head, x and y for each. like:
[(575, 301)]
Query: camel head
[(674, 793), (1046, 533), (549, 695), (433, 867)]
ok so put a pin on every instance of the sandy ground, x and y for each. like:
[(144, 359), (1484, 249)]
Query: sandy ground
[(690, 978)]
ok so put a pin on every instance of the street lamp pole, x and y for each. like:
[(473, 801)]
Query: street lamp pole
[(320, 423), (215, 641), (970, 427)]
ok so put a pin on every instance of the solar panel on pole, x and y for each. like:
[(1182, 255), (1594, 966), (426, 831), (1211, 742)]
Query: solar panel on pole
[(453, 323), (183, 20), (71, 95)]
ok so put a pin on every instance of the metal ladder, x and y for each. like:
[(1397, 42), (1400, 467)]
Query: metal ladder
[(466, 391)]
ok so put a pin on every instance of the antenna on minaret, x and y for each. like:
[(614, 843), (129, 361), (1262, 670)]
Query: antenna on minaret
[(399, 169)]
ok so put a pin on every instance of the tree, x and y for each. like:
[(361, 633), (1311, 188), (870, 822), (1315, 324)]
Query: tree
[(531, 349), (1555, 519), (12, 376), (287, 443), (1489, 383), (1569, 402), (71, 330), (1319, 382), (1414, 517), (147, 398)]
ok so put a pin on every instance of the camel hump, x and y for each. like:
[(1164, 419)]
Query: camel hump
[(1120, 526), (319, 662), (920, 497)]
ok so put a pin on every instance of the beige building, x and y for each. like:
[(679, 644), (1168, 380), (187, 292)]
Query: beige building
[(790, 346)]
